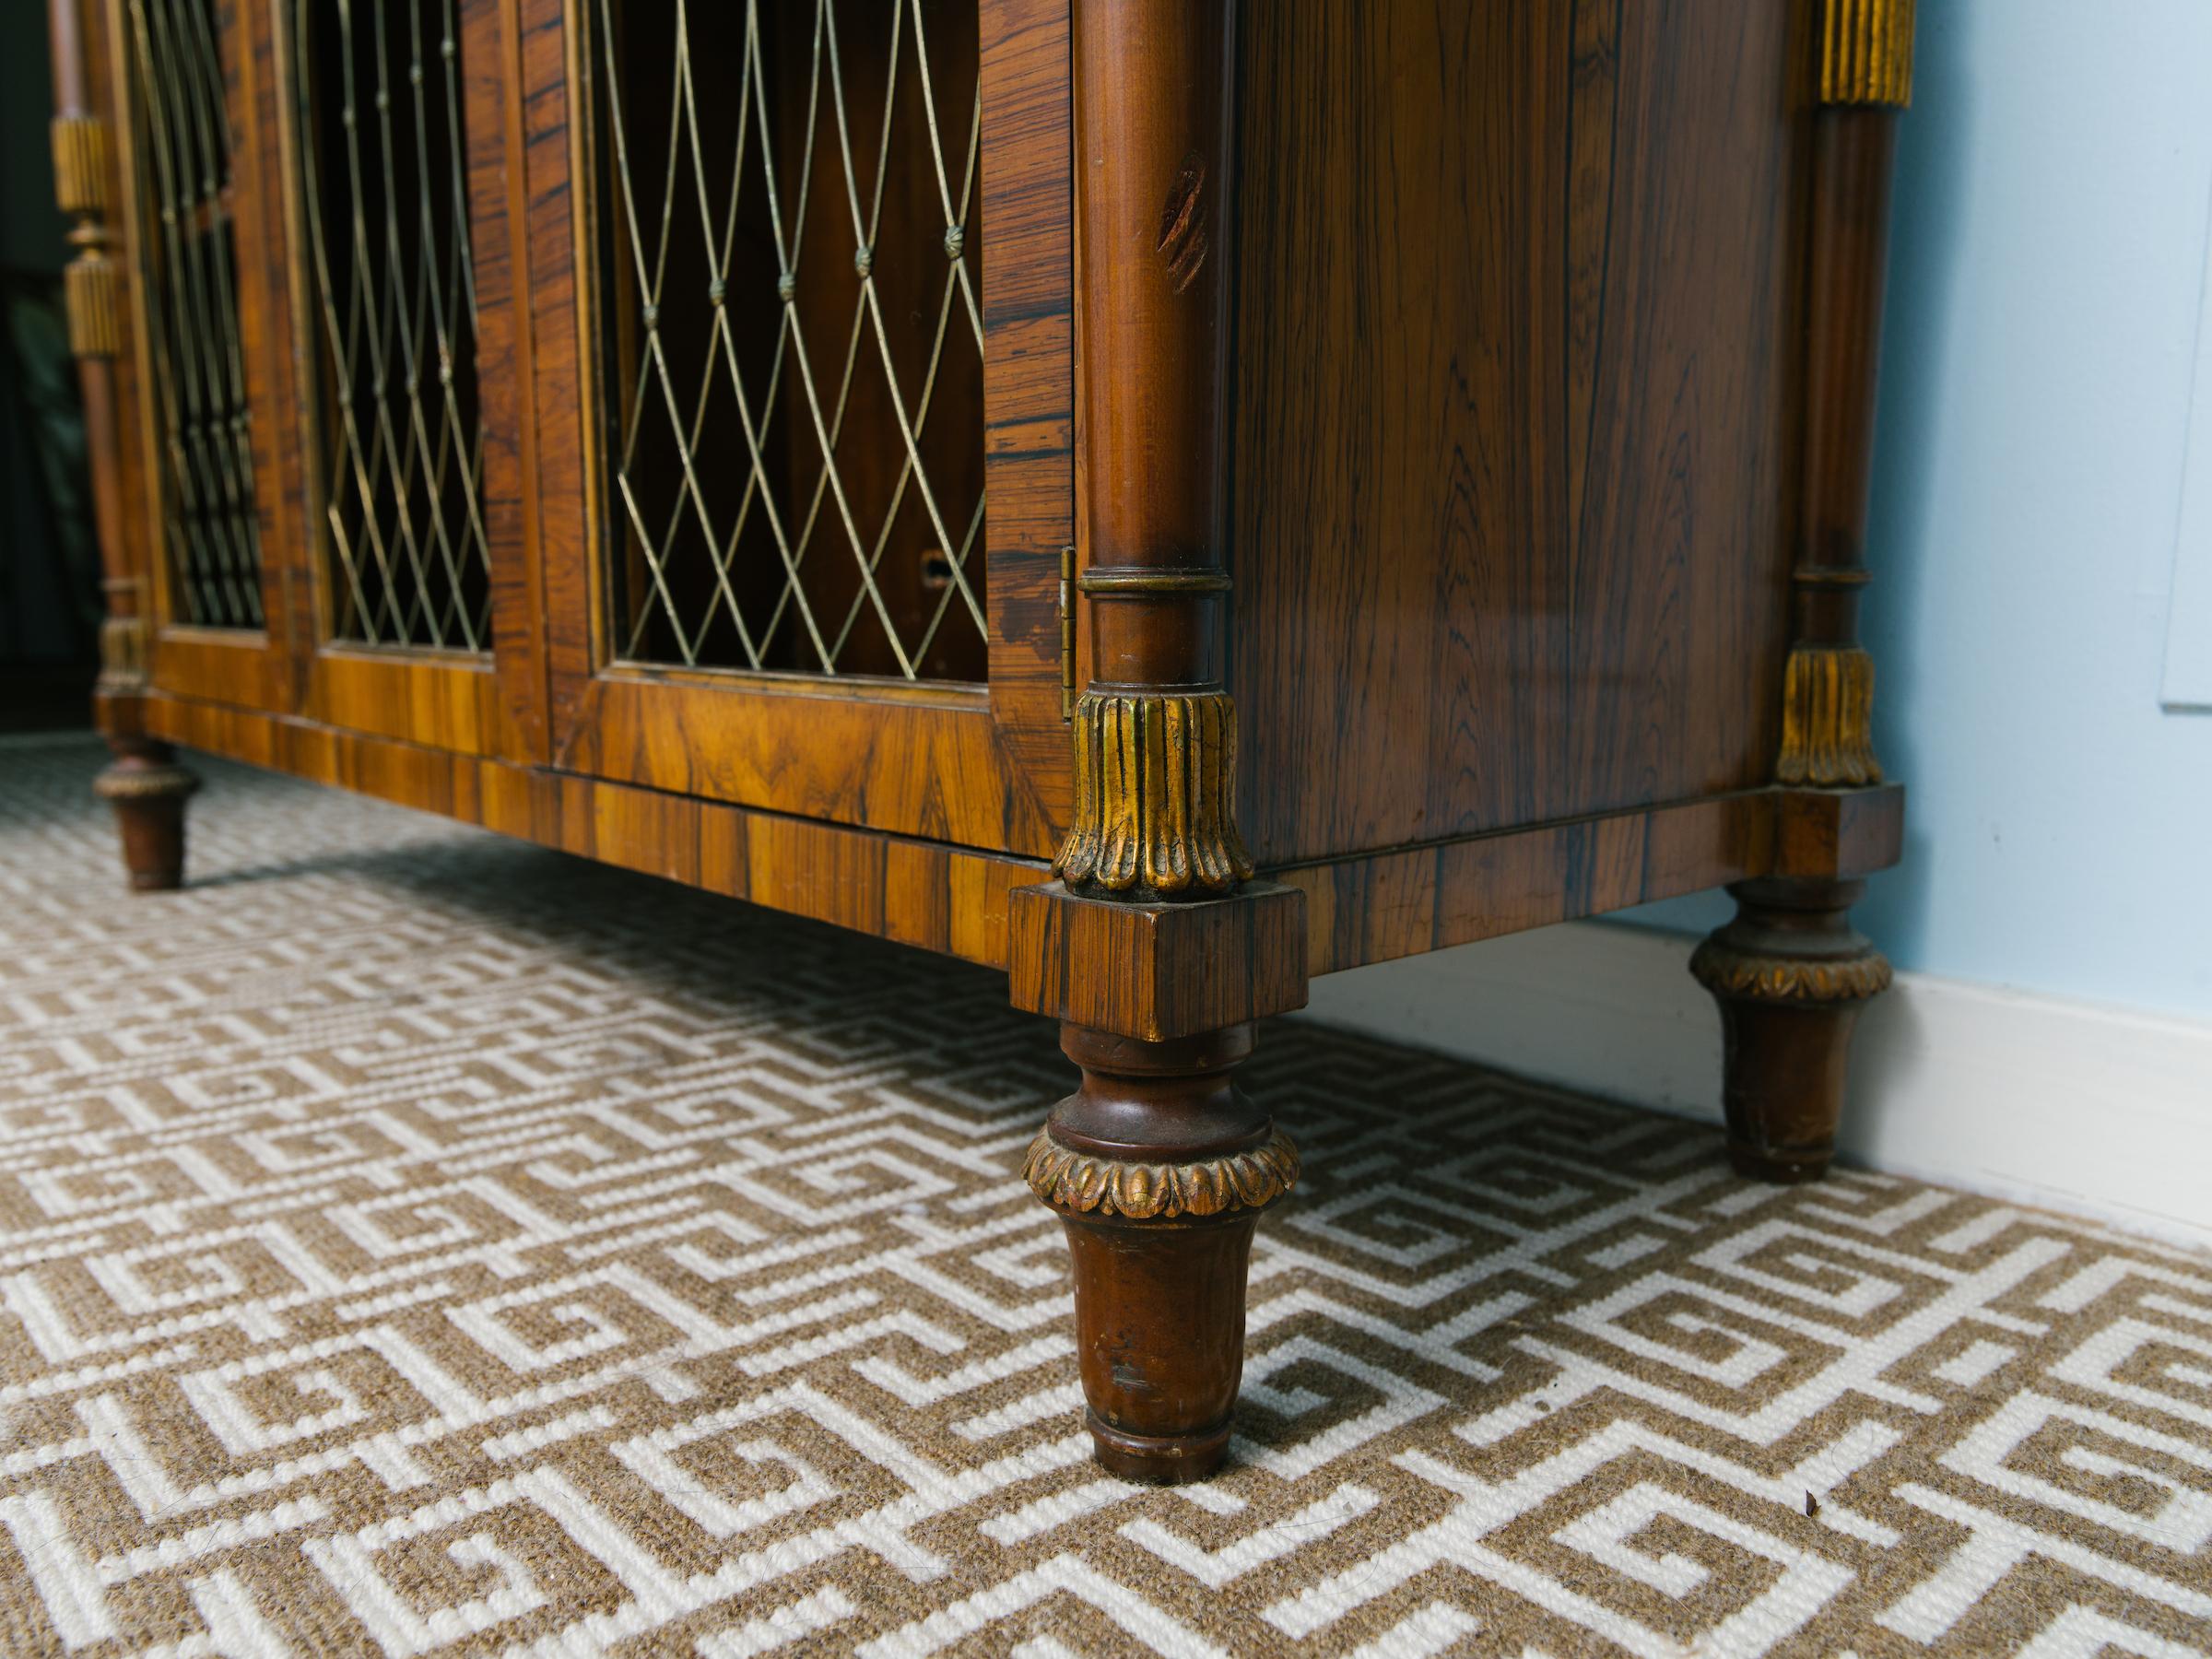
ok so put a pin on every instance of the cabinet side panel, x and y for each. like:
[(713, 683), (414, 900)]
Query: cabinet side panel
[(1513, 412), (1029, 378)]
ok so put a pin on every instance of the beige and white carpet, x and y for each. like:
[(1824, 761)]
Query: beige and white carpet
[(415, 1242)]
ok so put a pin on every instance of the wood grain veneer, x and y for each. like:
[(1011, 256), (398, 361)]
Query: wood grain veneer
[(1512, 407), (1454, 419)]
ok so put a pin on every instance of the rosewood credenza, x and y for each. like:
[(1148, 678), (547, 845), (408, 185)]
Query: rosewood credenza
[(1164, 498)]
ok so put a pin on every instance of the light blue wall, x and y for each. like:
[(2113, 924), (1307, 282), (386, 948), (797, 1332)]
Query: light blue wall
[(2055, 180)]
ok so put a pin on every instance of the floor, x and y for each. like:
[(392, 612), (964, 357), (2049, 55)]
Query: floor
[(415, 1242)]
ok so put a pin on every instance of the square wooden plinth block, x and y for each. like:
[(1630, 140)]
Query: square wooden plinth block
[(1157, 971), (1837, 833)]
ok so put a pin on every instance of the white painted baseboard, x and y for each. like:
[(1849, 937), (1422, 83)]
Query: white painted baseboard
[(2073, 1105)]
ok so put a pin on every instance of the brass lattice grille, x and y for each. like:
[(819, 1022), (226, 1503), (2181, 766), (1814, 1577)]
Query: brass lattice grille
[(183, 140), (386, 207), (790, 334)]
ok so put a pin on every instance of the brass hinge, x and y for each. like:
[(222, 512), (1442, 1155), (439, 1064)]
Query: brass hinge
[(1067, 632)]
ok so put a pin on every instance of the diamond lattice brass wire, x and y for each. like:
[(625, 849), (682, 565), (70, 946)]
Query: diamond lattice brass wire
[(786, 453), (183, 131), (387, 224)]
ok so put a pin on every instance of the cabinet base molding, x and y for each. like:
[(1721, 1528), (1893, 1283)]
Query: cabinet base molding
[(949, 900), (1351, 912)]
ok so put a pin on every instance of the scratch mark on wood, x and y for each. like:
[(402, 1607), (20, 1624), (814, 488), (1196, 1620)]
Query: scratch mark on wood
[(1182, 224)]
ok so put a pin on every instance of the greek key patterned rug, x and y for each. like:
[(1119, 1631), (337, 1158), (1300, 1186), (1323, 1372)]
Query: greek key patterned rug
[(414, 1242)]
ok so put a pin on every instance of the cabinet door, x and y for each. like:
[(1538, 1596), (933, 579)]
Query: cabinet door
[(201, 466), (395, 131), (804, 380)]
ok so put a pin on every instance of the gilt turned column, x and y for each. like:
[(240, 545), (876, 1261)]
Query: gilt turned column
[(1155, 948), (1790, 974), (143, 783)]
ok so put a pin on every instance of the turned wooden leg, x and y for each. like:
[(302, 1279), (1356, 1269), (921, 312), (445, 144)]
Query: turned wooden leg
[(1159, 1166), (149, 789), (1791, 976)]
